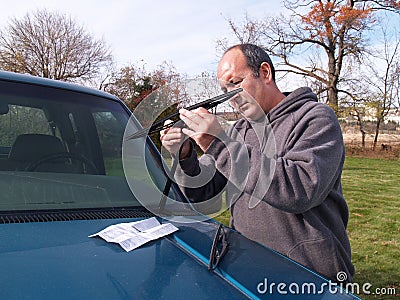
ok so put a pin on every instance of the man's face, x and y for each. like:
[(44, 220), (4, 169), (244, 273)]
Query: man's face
[(233, 72)]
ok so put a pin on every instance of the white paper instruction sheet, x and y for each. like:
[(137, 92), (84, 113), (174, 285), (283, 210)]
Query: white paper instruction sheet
[(134, 234)]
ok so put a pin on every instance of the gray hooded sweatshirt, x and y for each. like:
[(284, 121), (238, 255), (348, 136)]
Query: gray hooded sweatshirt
[(299, 209)]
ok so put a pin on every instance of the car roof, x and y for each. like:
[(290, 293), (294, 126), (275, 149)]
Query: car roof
[(30, 79)]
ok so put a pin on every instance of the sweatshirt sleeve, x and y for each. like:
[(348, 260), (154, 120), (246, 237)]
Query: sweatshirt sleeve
[(300, 175), (198, 178)]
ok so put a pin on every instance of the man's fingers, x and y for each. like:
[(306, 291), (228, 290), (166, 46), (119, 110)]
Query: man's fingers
[(171, 142), (190, 118), (188, 132), (203, 126), (171, 130), (172, 135)]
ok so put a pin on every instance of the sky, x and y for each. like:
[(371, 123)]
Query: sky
[(180, 32)]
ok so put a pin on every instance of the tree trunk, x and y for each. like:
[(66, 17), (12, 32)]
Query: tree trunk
[(333, 99), (378, 124), (333, 80), (363, 139), (361, 127)]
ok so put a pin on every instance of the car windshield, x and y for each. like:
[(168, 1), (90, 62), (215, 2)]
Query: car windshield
[(62, 149)]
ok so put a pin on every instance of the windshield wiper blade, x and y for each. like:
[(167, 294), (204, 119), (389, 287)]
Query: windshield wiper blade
[(219, 248), (159, 125)]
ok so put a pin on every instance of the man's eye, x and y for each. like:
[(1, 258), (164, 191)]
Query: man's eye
[(234, 83)]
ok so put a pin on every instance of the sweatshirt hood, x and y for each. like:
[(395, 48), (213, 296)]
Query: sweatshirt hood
[(292, 102)]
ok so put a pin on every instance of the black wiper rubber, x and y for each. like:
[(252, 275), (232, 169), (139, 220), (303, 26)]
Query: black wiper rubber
[(207, 104), (217, 253)]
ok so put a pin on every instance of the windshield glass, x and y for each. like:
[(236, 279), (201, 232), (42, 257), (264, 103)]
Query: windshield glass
[(62, 149)]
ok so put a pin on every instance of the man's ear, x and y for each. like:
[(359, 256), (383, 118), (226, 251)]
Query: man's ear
[(266, 72)]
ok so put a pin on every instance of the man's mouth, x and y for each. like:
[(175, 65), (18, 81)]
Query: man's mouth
[(243, 106)]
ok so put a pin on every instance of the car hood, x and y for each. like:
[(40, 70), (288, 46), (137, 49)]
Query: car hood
[(57, 260)]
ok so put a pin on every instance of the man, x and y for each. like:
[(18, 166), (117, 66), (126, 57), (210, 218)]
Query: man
[(289, 199)]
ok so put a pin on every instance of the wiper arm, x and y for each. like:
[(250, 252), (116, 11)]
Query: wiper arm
[(168, 184), (218, 251), (207, 104)]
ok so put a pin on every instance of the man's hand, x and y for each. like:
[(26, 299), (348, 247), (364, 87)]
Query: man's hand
[(173, 139), (202, 125)]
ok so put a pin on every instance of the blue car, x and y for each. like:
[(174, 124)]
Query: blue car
[(67, 172)]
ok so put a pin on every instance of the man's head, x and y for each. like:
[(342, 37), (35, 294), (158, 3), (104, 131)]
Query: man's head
[(255, 56), (249, 67)]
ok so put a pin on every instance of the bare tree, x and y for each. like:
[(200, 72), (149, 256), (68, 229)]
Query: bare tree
[(315, 37), (383, 78), (372, 91), (358, 108), (52, 45)]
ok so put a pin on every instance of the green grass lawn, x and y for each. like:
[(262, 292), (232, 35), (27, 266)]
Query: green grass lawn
[(372, 190)]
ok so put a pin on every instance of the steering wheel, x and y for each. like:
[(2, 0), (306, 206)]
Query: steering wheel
[(33, 165)]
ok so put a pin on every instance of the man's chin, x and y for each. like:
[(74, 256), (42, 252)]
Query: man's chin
[(252, 115)]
